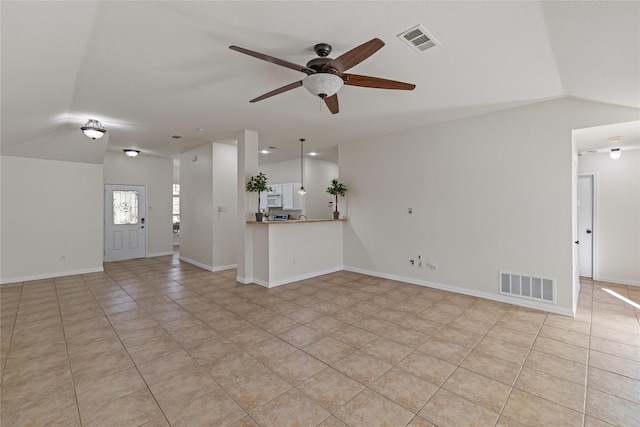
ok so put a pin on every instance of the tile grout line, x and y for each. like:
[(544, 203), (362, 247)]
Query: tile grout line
[(586, 379), (513, 386), (127, 351), (187, 352), (13, 327), (66, 347)]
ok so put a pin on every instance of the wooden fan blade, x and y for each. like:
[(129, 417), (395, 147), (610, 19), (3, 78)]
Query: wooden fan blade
[(273, 60), (277, 91), (376, 82), (332, 103), (354, 56)]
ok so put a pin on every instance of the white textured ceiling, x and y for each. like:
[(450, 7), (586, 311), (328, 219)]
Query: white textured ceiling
[(150, 70)]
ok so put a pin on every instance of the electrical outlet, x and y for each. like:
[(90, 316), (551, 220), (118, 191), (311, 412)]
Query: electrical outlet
[(419, 260), (432, 265), (409, 211), (412, 262)]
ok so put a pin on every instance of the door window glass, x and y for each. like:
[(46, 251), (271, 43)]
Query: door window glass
[(125, 207)]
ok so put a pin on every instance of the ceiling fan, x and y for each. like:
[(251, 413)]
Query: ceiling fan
[(325, 76)]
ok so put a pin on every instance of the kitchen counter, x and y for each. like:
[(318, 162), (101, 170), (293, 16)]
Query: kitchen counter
[(294, 250), (296, 221)]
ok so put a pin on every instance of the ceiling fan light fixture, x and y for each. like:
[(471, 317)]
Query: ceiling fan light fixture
[(93, 129), (615, 153), (131, 152), (322, 84)]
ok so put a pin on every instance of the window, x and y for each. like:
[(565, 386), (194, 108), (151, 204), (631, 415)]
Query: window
[(176, 208), (125, 207)]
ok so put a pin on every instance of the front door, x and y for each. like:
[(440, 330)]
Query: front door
[(124, 222), (585, 225)]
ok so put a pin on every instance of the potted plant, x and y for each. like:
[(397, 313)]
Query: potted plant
[(258, 184), (336, 189)]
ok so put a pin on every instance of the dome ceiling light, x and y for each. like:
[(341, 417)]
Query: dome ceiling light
[(93, 129), (615, 153)]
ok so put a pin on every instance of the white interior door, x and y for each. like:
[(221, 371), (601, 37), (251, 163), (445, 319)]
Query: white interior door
[(124, 222), (585, 225)]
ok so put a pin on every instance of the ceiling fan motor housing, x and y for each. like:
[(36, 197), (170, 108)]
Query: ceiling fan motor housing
[(322, 49), (318, 63)]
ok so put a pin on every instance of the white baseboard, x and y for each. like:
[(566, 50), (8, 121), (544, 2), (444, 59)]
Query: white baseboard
[(494, 297), (618, 281), (225, 267), (273, 284), (208, 267), (5, 281), (159, 254)]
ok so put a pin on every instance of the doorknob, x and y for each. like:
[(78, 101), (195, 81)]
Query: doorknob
[(577, 242), (588, 231)]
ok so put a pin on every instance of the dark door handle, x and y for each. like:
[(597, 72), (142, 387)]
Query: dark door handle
[(588, 231), (577, 242)]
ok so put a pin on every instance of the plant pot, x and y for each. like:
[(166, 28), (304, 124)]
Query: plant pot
[(336, 214), (258, 216)]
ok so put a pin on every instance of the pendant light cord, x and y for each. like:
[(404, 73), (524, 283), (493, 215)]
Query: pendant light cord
[(302, 190)]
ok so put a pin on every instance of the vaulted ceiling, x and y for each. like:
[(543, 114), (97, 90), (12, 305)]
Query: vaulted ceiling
[(151, 70)]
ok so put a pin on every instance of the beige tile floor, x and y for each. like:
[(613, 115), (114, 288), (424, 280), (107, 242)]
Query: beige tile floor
[(159, 342)]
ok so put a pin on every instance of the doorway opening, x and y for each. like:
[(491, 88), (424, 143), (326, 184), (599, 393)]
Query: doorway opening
[(586, 225)]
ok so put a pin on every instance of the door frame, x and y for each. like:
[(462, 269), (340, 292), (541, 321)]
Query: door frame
[(594, 221), (104, 218)]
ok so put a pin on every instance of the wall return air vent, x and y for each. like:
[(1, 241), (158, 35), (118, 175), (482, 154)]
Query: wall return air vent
[(531, 287), (418, 38)]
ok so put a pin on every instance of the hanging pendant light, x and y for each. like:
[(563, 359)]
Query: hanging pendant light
[(93, 129), (302, 191)]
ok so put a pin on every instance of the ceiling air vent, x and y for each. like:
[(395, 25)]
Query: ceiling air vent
[(418, 38)]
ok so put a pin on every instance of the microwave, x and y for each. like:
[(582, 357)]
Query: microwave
[(274, 200)]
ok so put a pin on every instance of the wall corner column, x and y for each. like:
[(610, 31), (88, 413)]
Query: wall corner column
[(247, 167)]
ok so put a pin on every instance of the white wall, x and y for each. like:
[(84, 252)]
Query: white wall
[(49, 209), (196, 205), (282, 172), (157, 174), (489, 193), (317, 177), (208, 238), (225, 230), (617, 226)]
